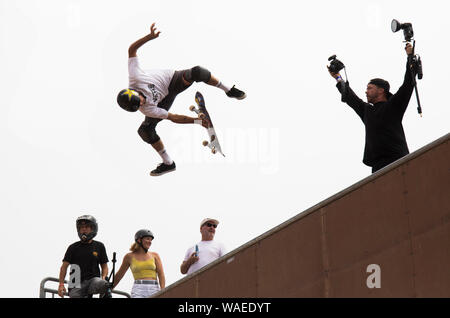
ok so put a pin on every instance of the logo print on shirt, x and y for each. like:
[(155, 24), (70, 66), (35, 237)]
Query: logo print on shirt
[(95, 253), (155, 94)]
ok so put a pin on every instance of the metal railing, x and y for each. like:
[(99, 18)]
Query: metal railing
[(44, 290)]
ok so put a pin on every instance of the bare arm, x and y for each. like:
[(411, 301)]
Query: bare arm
[(160, 271), (62, 276), (182, 119), (136, 45), (122, 270), (104, 270)]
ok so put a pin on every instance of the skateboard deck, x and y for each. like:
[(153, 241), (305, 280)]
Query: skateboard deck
[(201, 110)]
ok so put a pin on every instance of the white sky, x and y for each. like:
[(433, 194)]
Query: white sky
[(67, 149)]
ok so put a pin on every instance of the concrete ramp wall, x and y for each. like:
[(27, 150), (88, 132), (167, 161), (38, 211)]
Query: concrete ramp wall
[(386, 236)]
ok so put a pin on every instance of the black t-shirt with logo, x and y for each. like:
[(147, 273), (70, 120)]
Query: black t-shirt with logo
[(88, 256)]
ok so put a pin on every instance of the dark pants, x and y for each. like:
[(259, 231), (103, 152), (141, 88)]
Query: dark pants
[(147, 130), (91, 286)]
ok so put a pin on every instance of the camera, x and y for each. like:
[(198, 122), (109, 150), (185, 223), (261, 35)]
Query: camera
[(408, 32), (414, 61), (335, 64)]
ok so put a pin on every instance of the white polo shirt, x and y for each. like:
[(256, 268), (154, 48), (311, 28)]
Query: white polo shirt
[(154, 84)]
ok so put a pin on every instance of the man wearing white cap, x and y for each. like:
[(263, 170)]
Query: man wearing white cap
[(205, 251)]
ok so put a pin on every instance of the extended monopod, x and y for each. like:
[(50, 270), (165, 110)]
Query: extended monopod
[(113, 275), (414, 61)]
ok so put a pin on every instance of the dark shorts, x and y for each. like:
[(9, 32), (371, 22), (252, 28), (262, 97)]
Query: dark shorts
[(176, 86), (91, 286)]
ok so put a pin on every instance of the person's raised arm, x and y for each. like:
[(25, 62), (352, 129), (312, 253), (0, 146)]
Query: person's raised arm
[(132, 50), (348, 95), (402, 96)]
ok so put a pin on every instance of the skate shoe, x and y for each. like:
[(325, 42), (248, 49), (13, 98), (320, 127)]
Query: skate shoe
[(162, 169), (236, 93)]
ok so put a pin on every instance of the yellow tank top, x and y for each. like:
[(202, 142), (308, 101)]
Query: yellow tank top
[(143, 269)]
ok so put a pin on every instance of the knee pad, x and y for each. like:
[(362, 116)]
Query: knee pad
[(147, 134), (197, 74)]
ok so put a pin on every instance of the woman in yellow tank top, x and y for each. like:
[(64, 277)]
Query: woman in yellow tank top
[(146, 267)]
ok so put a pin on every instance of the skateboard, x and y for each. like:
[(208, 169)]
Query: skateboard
[(203, 114)]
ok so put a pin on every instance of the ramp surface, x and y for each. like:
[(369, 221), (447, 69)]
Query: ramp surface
[(397, 218)]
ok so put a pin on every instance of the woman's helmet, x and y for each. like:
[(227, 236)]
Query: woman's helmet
[(140, 234), (143, 233), (129, 100), (88, 220)]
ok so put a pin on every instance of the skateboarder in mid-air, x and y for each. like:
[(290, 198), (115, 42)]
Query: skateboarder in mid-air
[(153, 92)]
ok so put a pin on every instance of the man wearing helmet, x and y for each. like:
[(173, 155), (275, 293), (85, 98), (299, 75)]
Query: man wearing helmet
[(153, 92), (147, 269), (85, 256)]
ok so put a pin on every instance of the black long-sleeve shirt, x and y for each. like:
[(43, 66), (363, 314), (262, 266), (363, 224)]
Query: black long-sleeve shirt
[(385, 138)]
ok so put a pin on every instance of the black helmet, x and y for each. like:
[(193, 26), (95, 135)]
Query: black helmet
[(143, 233), (129, 100), (87, 219)]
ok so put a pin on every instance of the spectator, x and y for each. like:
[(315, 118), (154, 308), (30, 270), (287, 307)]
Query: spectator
[(205, 251), (87, 254), (146, 267)]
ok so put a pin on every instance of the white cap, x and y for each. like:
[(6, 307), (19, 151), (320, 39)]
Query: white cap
[(209, 220)]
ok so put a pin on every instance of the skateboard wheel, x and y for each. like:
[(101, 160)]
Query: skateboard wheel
[(213, 150), (191, 108), (205, 143), (201, 116)]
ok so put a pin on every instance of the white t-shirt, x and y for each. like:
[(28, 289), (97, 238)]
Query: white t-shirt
[(208, 251), (154, 84)]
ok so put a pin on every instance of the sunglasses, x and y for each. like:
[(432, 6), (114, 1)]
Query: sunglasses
[(211, 224)]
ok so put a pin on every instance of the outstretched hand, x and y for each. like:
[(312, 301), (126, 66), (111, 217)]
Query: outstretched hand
[(409, 49), (334, 75), (153, 32), (132, 50)]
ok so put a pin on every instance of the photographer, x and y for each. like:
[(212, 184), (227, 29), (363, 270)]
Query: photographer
[(382, 116)]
